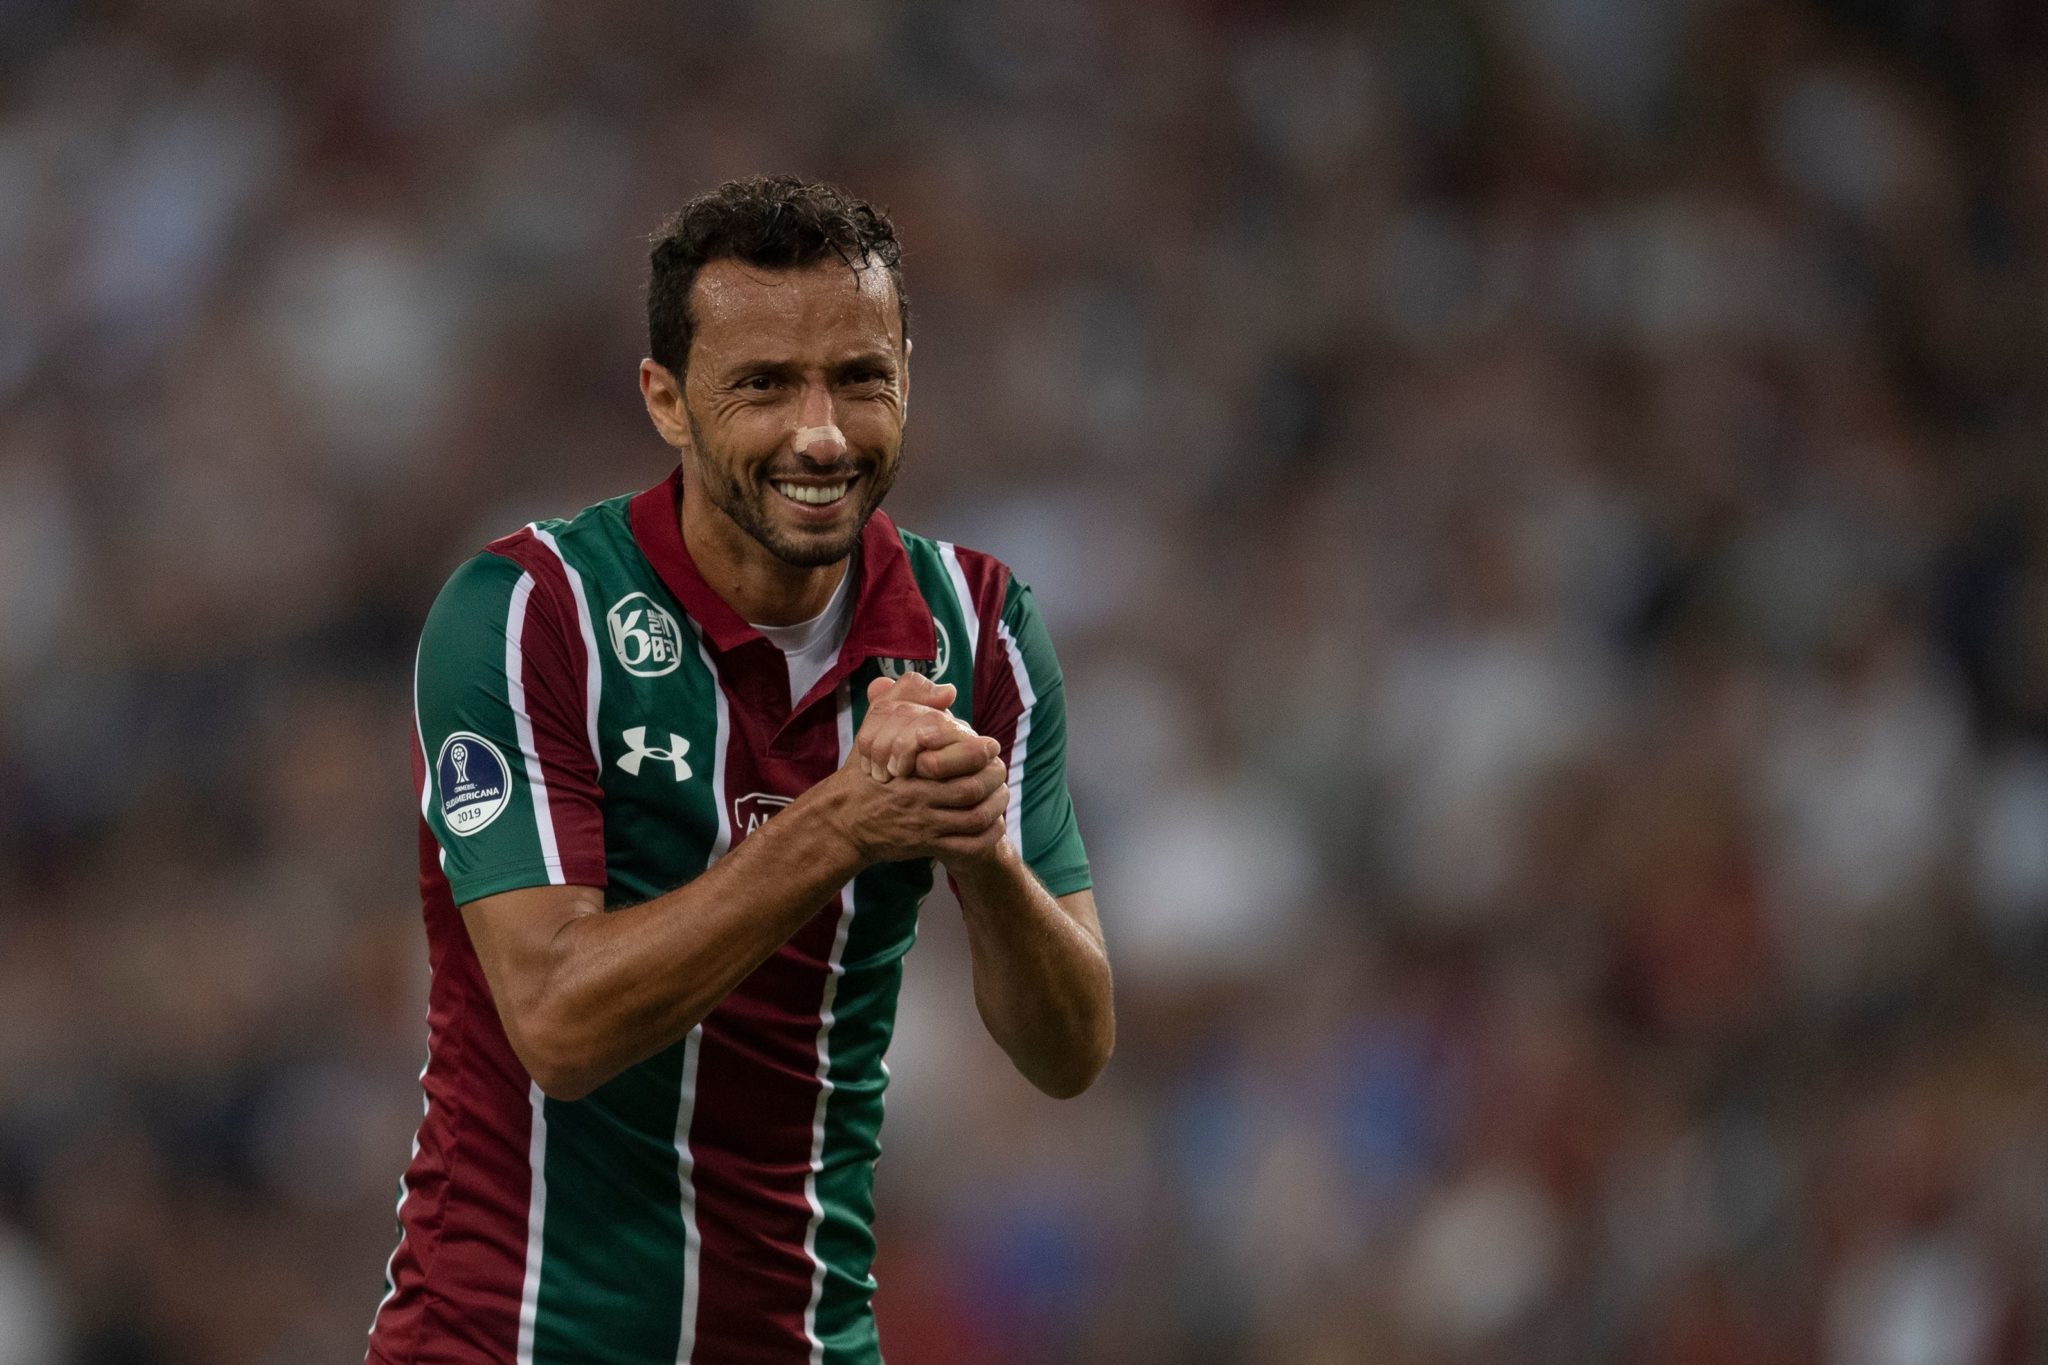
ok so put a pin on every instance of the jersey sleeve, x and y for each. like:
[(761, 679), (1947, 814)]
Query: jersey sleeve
[(511, 792), (1026, 709)]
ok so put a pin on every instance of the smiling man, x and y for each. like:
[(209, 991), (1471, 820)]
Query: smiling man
[(686, 762)]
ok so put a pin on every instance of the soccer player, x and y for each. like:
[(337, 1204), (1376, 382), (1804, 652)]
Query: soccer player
[(686, 762)]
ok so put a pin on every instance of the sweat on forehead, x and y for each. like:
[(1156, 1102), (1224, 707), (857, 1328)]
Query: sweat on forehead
[(826, 294), (730, 278)]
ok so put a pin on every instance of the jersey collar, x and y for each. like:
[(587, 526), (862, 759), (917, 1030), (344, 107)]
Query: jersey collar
[(890, 616)]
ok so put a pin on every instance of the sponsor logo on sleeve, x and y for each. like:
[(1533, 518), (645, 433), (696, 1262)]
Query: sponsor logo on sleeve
[(644, 635), (473, 780), (933, 668)]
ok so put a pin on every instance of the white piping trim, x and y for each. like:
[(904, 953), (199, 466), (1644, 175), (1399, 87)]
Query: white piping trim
[(686, 1172), (405, 1191), (836, 968), (536, 1220), (515, 686), (544, 823), (593, 674), (1021, 743), (686, 1102), (949, 553), (426, 755)]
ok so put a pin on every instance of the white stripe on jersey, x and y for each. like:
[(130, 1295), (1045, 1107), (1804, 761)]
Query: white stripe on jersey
[(966, 600), (544, 823), (686, 1107), (391, 1265), (594, 676), (426, 802), (515, 686), (835, 968), (426, 756), (536, 1219), (1021, 743), (686, 1168)]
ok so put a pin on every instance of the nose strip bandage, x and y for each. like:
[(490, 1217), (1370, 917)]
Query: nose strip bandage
[(806, 437)]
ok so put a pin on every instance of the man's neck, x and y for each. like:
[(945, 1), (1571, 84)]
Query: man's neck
[(760, 587)]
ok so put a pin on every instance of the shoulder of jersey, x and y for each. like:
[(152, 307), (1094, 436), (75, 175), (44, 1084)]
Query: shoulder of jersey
[(974, 563), (606, 521)]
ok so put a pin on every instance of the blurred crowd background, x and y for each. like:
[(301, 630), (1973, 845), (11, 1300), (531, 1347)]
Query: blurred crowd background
[(1543, 508)]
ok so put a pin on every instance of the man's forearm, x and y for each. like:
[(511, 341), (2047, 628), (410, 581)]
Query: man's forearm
[(1041, 973), (627, 984), (585, 994)]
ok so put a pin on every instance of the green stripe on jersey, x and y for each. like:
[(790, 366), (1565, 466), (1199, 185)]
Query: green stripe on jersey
[(462, 699), (953, 614), (885, 904), (615, 1245), (1050, 837), (612, 1264)]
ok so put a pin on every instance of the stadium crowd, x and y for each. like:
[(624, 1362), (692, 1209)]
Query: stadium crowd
[(1544, 512)]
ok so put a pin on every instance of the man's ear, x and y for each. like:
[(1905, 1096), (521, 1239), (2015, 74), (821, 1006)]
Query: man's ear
[(662, 392)]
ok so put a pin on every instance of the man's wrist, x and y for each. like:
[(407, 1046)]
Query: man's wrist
[(975, 870), (823, 813)]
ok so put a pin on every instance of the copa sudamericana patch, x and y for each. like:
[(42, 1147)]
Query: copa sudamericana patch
[(473, 780)]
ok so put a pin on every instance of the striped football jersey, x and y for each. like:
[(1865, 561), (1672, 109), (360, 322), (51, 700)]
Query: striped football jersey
[(590, 712)]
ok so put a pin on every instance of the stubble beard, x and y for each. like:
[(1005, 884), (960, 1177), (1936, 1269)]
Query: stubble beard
[(747, 504)]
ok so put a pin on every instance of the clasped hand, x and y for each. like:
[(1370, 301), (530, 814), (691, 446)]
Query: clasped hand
[(920, 783)]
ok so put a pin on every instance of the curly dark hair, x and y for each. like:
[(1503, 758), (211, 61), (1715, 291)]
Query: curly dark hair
[(778, 222)]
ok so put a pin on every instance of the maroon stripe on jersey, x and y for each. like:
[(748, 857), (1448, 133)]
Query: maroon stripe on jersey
[(757, 1064), (997, 703), (556, 675), (462, 1259)]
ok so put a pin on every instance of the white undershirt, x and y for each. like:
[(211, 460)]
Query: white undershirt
[(812, 647)]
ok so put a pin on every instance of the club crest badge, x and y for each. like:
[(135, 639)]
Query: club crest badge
[(644, 636), (473, 780), (935, 669), (751, 811)]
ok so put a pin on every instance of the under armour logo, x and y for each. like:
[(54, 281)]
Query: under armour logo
[(638, 752)]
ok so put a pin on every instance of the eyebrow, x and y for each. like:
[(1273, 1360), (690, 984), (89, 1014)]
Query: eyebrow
[(741, 368), (879, 359)]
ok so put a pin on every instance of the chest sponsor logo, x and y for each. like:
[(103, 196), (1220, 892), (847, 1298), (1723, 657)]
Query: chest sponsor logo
[(934, 669), (751, 811), (644, 635), (473, 780), (638, 751)]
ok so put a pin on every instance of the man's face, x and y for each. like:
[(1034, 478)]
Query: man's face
[(793, 402)]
